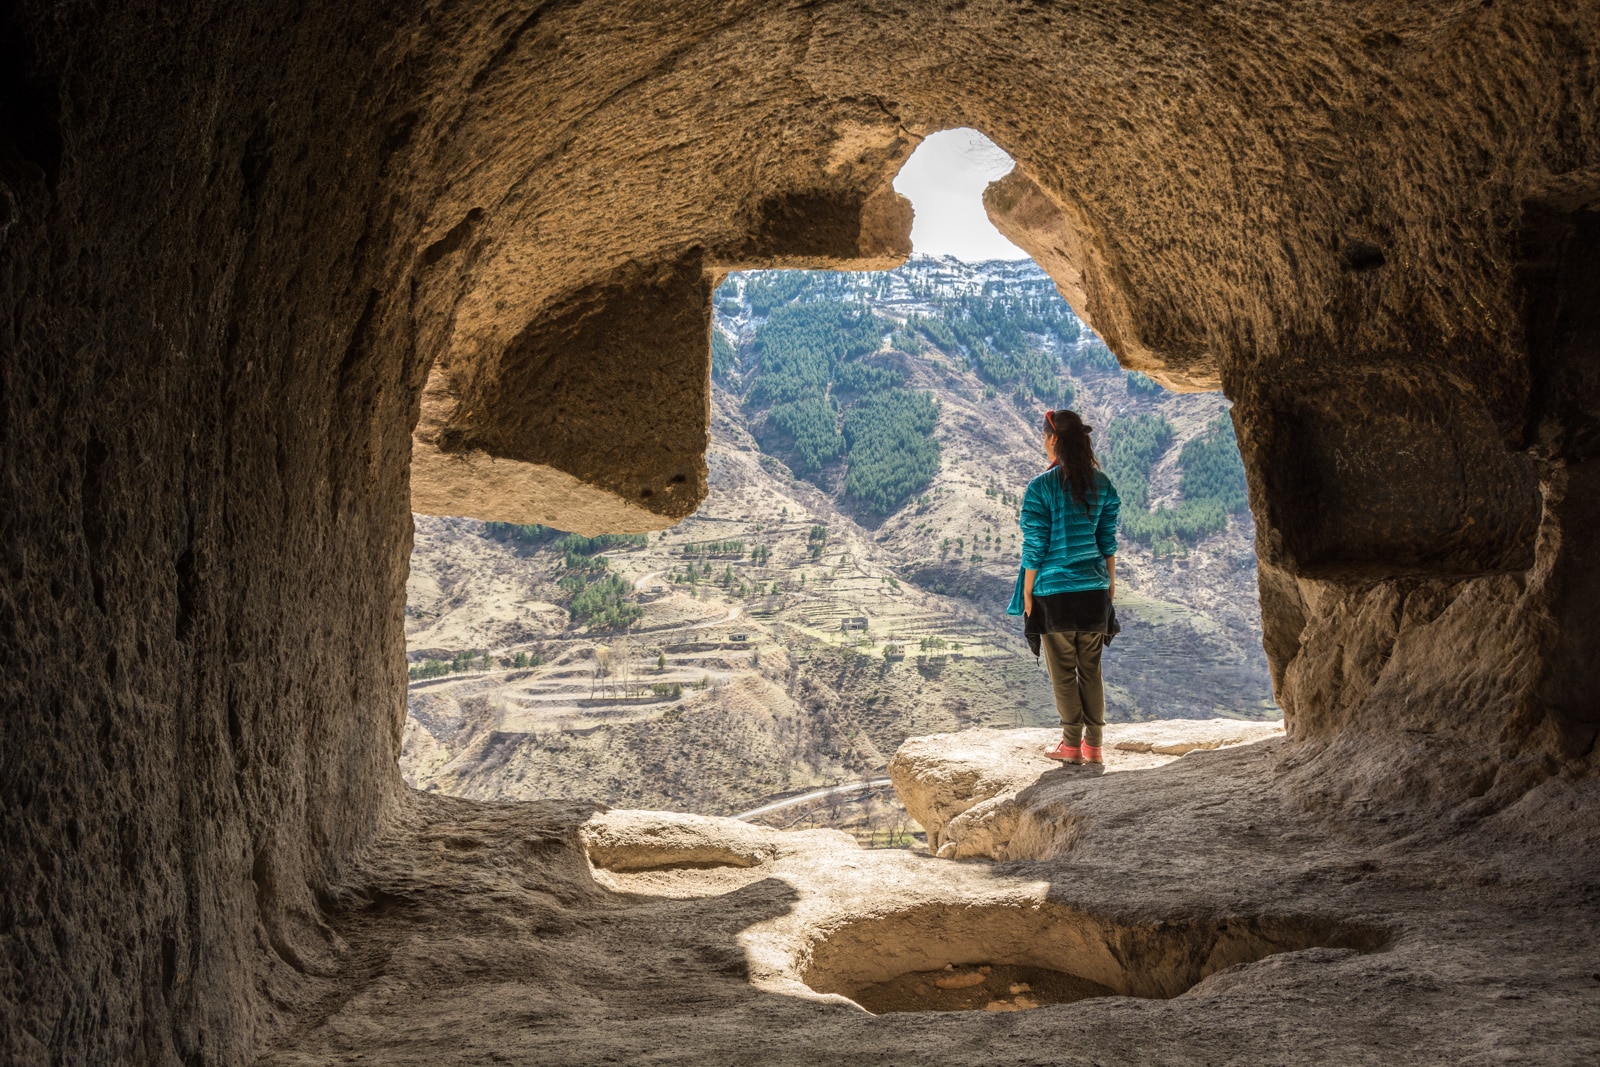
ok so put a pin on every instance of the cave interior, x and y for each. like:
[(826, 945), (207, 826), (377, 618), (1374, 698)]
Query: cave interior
[(273, 276)]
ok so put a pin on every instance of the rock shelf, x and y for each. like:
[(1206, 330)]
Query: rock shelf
[(989, 793)]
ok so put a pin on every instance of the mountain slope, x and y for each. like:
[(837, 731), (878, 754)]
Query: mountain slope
[(740, 672)]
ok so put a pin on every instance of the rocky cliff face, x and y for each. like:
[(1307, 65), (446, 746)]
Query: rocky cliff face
[(266, 267)]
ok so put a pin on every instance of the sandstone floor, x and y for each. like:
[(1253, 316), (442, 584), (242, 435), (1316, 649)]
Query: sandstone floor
[(1258, 929)]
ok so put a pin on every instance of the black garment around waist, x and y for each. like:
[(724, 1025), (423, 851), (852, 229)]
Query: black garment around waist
[(1087, 610)]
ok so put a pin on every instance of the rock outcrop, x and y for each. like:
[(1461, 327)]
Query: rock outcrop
[(1211, 904), (268, 269), (987, 793), (654, 840)]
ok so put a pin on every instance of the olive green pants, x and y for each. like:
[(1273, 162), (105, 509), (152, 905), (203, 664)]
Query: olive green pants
[(1074, 662)]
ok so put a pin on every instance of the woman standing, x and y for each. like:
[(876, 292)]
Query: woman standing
[(1068, 578)]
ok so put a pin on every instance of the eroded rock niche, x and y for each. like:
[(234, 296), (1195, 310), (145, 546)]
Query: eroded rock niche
[(272, 273), (1155, 960)]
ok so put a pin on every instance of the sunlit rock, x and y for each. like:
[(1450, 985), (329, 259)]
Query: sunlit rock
[(985, 792)]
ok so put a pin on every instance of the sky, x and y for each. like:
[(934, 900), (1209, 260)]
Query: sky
[(944, 180)]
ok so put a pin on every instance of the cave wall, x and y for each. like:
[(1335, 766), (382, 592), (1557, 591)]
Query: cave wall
[(1473, 682), (205, 404), (273, 274)]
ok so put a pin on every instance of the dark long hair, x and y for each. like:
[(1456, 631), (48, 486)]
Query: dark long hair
[(1075, 463)]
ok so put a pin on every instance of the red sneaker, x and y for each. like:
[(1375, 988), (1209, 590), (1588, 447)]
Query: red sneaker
[(1091, 754), (1065, 754)]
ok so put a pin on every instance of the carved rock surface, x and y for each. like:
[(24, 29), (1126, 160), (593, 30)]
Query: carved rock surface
[(1213, 903), (648, 840), (267, 268)]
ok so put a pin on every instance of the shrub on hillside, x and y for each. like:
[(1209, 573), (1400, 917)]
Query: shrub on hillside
[(721, 356), (524, 535), (1212, 482), (1132, 446), (811, 427), (1095, 358), (1212, 468), (603, 605), (1143, 386)]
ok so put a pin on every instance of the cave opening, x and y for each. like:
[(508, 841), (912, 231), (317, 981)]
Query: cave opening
[(844, 582)]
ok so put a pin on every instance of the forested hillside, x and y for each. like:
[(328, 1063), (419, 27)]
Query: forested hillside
[(819, 361)]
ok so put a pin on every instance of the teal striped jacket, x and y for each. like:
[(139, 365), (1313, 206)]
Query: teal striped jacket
[(1067, 545)]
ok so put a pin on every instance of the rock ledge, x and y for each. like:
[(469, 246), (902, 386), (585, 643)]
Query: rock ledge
[(986, 792)]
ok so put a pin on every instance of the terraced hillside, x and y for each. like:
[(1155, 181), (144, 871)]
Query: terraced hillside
[(833, 596)]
